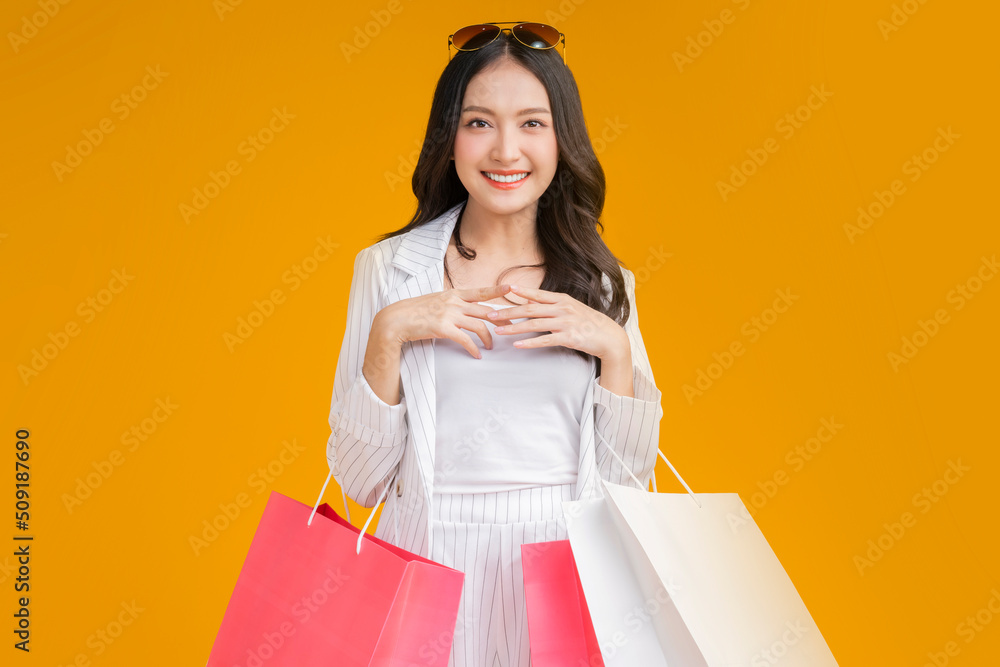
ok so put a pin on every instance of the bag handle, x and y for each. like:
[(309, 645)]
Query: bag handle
[(662, 456), (364, 528)]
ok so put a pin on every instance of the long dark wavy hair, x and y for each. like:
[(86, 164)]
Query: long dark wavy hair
[(569, 211)]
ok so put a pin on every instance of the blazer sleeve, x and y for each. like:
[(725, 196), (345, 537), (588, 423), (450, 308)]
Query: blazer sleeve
[(367, 435), (629, 424)]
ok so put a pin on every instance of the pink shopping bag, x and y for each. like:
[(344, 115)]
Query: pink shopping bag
[(306, 597), (559, 627)]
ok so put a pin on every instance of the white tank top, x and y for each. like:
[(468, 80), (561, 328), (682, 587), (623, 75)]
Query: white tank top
[(510, 420)]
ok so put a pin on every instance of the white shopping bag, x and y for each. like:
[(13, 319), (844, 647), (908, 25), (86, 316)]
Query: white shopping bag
[(634, 618), (687, 580)]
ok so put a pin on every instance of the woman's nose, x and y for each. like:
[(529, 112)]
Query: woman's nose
[(506, 149)]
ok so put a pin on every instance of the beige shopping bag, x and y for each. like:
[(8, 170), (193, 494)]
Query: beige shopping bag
[(702, 589)]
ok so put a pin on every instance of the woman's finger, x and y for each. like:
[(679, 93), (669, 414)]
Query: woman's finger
[(465, 340), (528, 326), (485, 313), (477, 327), (527, 310), (539, 295), (547, 340), (475, 294)]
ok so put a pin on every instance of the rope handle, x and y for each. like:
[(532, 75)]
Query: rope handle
[(343, 494), (641, 486)]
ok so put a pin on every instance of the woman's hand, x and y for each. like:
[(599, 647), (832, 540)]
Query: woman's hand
[(571, 323), (442, 315)]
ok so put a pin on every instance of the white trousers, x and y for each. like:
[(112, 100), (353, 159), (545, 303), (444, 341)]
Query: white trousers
[(481, 535)]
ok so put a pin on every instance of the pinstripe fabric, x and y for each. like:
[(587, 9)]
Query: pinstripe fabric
[(481, 534), (371, 441)]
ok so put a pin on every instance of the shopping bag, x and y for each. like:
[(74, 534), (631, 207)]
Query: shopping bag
[(314, 590), (560, 630), (698, 576), (631, 616)]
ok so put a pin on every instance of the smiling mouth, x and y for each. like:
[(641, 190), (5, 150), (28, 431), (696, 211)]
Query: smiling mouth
[(511, 178)]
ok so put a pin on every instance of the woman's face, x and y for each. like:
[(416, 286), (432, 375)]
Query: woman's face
[(506, 128)]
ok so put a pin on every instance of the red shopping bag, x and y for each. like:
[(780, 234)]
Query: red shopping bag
[(559, 627), (306, 597)]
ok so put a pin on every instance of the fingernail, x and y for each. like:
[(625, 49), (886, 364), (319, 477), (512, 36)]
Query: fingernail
[(493, 315), (513, 287), (499, 329)]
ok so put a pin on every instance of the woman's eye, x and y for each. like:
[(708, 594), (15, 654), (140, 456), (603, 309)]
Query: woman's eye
[(472, 123)]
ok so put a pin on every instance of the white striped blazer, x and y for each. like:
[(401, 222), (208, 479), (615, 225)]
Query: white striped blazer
[(372, 443)]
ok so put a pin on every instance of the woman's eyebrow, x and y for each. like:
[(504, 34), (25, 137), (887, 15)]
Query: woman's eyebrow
[(522, 112)]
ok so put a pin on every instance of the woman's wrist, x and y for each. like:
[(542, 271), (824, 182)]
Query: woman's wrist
[(620, 350), (381, 363), (616, 368), (384, 333)]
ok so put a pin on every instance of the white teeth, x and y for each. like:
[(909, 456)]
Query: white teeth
[(505, 179)]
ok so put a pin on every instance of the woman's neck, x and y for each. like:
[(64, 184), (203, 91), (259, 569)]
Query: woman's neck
[(501, 237)]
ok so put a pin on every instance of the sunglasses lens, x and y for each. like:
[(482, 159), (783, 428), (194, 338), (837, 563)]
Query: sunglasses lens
[(537, 35), (474, 36)]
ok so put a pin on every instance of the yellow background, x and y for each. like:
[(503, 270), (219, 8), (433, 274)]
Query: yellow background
[(667, 134)]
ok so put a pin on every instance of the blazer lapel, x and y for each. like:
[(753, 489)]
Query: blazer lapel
[(420, 258)]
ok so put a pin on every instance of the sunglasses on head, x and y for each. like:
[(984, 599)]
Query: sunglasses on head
[(534, 35)]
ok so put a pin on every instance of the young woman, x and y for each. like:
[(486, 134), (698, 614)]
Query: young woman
[(492, 355)]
